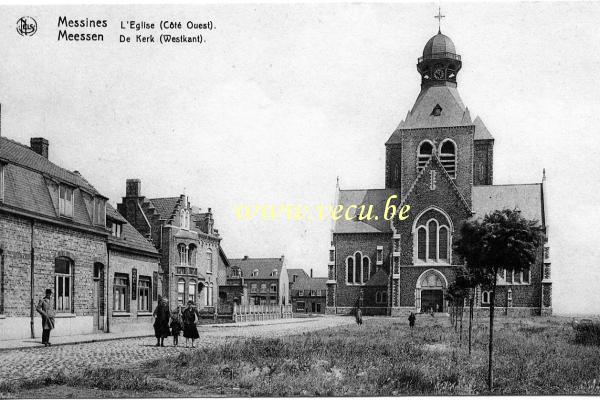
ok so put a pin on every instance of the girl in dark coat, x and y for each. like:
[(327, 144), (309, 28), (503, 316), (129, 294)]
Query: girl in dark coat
[(161, 316), (359, 316), (176, 325), (189, 323)]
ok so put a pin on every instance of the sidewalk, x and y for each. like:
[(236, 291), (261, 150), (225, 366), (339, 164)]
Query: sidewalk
[(102, 337)]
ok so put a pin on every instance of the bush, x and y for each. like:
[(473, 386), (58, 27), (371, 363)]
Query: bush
[(587, 332)]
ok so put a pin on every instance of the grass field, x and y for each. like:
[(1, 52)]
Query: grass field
[(533, 356)]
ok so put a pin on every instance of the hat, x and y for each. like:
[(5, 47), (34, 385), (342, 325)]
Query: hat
[(48, 291), (190, 302)]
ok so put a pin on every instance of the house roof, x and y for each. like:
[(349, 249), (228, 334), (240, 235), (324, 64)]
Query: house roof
[(31, 185), (525, 197), (375, 197), (264, 266), (381, 278), (308, 283), (165, 206), (19, 154), (296, 271), (130, 237)]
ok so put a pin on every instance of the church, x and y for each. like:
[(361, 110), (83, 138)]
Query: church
[(440, 162)]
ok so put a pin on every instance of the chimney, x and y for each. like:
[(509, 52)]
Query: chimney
[(133, 188), (245, 257), (40, 146), (311, 272)]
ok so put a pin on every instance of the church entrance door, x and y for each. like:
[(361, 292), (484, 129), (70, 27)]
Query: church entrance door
[(432, 300)]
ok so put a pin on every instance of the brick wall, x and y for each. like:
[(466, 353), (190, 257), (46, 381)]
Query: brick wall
[(483, 160)]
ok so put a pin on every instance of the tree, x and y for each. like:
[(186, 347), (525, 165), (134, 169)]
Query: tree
[(504, 239)]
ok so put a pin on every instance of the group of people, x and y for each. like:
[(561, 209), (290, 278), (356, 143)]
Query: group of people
[(411, 318), (168, 323)]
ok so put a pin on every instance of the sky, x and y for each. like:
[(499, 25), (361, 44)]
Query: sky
[(282, 99)]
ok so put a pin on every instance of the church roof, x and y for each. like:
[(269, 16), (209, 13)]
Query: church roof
[(525, 197), (439, 44), (367, 197), (481, 131)]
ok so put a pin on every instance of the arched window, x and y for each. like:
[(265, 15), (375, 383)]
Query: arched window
[(432, 237), (425, 151), (485, 297), (192, 251), (180, 291), (357, 267), (183, 254), (448, 157), (210, 294), (350, 270), (63, 284), (366, 269), (192, 291), (396, 174)]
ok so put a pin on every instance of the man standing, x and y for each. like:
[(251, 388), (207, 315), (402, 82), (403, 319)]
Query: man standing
[(46, 310)]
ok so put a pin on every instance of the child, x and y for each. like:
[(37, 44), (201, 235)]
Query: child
[(176, 325), (411, 321)]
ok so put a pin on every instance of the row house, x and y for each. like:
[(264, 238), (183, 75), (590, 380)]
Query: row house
[(307, 293), (58, 232), (266, 279)]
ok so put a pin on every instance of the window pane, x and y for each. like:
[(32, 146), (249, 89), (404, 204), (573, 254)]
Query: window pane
[(366, 271), (350, 269), (358, 269), (432, 227), (443, 243), (61, 266), (421, 244), (526, 275)]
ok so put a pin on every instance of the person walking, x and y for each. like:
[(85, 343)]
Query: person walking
[(411, 321), (176, 325), (189, 323), (161, 316), (359, 318), (46, 310)]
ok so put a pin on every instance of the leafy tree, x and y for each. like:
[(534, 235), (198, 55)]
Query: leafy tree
[(503, 240)]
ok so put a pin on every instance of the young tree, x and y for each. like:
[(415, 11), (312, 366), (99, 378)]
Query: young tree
[(504, 239)]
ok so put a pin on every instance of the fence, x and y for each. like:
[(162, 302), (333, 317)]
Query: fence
[(251, 312)]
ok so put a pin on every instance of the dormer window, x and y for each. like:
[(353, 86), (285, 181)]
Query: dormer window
[(425, 151), (274, 273), (65, 201), (100, 212), (184, 219), (116, 228), (437, 111), (235, 272), (254, 273)]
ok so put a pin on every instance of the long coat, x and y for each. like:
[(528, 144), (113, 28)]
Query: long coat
[(161, 323), (46, 310)]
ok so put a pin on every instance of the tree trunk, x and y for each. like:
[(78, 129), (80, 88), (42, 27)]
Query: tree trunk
[(471, 304), (491, 341)]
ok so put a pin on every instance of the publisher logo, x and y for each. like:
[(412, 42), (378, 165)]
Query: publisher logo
[(26, 26)]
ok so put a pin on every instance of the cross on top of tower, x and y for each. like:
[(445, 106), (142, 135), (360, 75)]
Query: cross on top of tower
[(439, 17)]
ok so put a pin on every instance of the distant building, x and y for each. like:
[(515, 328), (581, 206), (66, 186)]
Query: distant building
[(187, 241), (58, 232), (308, 294), (266, 279)]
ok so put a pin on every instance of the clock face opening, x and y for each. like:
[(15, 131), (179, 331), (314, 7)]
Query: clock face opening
[(438, 74)]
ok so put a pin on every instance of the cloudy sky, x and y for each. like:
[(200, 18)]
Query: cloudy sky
[(282, 99)]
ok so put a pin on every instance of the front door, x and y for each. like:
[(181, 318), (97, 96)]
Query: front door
[(432, 300), (99, 296)]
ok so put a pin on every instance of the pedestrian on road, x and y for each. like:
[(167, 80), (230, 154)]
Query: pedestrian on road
[(189, 323), (46, 310), (176, 325), (411, 321), (358, 316), (161, 316)]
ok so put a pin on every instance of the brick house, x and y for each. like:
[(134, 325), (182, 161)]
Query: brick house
[(307, 294), (187, 241), (54, 234), (440, 162), (266, 279)]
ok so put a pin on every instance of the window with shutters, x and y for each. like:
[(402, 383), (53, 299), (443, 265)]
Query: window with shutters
[(424, 154), (447, 155)]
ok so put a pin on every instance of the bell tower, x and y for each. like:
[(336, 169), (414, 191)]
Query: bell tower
[(439, 64)]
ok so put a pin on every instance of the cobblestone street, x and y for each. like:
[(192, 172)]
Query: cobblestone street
[(42, 361)]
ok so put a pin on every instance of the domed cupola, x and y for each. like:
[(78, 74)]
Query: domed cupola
[(440, 63)]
